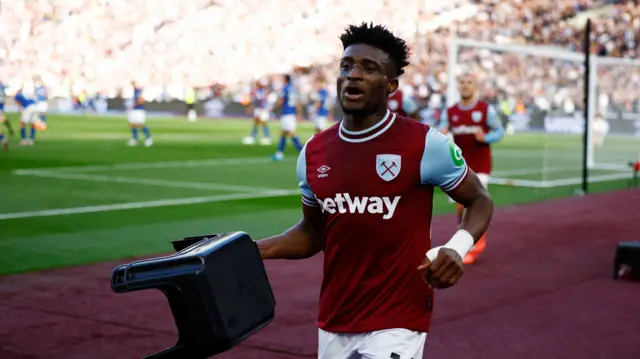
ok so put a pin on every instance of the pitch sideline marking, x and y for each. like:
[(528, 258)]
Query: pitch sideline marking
[(147, 165), (557, 183), (148, 181), (148, 204), (240, 196)]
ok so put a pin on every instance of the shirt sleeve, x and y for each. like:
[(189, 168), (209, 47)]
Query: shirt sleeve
[(496, 132), (442, 164), (308, 198), (444, 119), (408, 105)]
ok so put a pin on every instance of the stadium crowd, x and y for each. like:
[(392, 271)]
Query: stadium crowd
[(101, 45)]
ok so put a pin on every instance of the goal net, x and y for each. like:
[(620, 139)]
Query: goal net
[(614, 113), (539, 94)]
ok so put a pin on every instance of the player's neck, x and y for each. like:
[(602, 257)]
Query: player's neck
[(360, 123), (467, 102)]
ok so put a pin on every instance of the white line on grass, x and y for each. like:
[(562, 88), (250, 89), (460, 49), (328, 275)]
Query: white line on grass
[(592, 179), (147, 181), (146, 165), (148, 204), (557, 183), (534, 170), (514, 182)]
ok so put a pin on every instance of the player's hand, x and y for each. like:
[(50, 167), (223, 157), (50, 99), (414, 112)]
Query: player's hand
[(480, 136), (444, 271)]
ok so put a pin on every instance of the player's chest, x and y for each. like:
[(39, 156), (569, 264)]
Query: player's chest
[(363, 172), (467, 122)]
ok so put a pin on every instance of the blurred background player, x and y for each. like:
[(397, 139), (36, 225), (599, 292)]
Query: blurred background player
[(323, 107), (41, 97), (289, 117), (430, 115), (137, 118), (600, 130), (4, 141), (261, 108), (474, 125), (403, 105), (190, 101), (29, 118), (4, 121)]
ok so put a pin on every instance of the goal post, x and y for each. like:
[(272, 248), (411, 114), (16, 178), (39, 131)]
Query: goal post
[(614, 104), (559, 133)]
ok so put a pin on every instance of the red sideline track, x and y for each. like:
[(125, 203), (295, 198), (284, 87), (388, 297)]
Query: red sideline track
[(543, 289)]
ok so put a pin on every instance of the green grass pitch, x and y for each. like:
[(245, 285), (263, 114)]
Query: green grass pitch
[(80, 195)]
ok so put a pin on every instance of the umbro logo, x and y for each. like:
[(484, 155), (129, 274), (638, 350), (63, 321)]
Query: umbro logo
[(323, 171)]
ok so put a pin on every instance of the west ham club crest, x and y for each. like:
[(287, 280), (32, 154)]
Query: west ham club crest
[(476, 116), (388, 166)]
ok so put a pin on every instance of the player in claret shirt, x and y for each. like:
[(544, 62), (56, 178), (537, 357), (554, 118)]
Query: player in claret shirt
[(367, 194), (474, 125)]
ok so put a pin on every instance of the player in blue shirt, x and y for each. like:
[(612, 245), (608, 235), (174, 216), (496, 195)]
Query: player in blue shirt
[(323, 107), (137, 118), (3, 120), (261, 114), (41, 99), (291, 114), (29, 117)]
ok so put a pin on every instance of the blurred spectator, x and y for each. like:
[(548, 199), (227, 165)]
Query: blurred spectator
[(80, 46)]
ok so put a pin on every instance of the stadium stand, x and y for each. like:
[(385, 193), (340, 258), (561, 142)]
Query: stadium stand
[(101, 45)]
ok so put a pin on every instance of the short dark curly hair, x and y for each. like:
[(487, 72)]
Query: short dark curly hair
[(380, 37)]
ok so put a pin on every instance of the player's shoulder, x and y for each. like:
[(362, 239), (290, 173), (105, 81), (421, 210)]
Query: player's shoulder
[(453, 107), (484, 104), (320, 141), (410, 126)]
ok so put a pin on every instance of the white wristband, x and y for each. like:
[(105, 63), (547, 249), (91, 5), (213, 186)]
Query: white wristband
[(461, 242)]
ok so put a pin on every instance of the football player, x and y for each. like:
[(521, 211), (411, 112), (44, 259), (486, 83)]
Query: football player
[(475, 126), (137, 118), (291, 113), (367, 197)]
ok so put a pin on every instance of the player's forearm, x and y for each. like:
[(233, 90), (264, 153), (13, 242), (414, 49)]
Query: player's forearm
[(299, 242), (477, 215), (494, 135)]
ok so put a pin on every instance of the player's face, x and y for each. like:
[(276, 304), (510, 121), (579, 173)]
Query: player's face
[(364, 80), (467, 87)]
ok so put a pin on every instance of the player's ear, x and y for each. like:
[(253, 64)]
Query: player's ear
[(393, 86)]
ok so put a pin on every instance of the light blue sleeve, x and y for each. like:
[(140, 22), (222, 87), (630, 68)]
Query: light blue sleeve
[(497, 132), (444, 119), (408, 105), (308, 198), (442, 164)]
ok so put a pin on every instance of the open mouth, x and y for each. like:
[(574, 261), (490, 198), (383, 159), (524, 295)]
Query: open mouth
[(353, 93)]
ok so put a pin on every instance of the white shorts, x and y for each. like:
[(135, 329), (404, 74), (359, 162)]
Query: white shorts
[(137, 117), (320, 122), (484, 179), (29, 115), (43, 106), (288, 123), (381, 344), (261, 114)]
